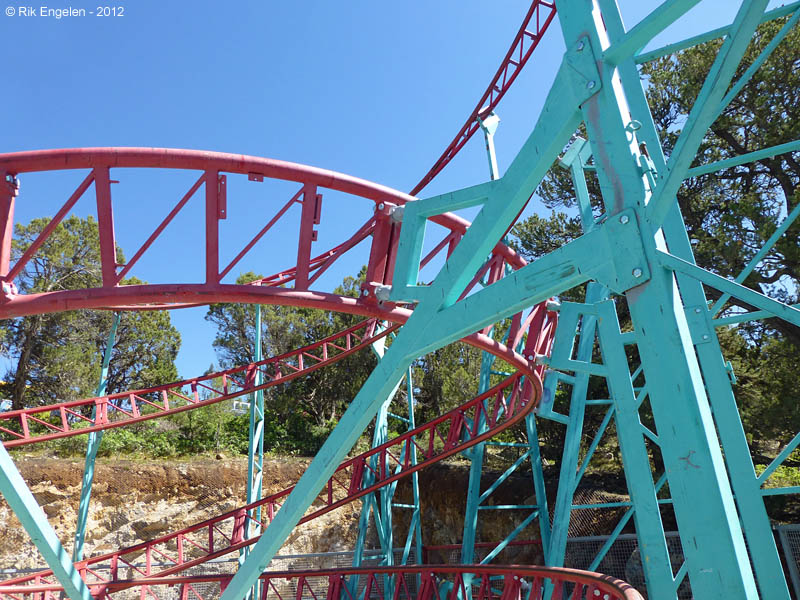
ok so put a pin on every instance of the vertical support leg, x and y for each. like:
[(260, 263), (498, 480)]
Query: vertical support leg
[(8, 194), (33, 519), (91, 450), (757, 528), (312, 201), (567, 479), (105, 225), (214, 184), (476, 455), (415, 529), (379, 504), (717, 560), (255, 450), (538, 480), (638, 473)]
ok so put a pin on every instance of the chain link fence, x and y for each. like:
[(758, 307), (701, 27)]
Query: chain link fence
[(789, 536)]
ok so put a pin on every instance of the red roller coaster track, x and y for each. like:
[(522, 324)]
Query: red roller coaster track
[(535, 23), (429, 582)]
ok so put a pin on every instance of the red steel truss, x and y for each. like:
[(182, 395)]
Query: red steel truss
[(65, 419), (501, 407), (535, 23), (214, 168)]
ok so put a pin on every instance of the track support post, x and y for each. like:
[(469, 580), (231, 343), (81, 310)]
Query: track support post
[(92, 447), (712, 537)]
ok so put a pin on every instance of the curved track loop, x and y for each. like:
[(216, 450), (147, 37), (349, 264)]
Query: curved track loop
[(453, 432), (538, 19), (213, 167), (65, 419), (428, 582), (500, 408)]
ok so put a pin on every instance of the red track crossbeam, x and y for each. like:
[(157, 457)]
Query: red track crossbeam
[(214, 168), (423, 582)]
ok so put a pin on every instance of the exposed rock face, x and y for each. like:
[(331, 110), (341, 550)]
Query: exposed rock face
[(133, 502), (137, 501)]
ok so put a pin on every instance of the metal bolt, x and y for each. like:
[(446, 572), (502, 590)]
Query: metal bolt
[(553, 305), (697, 310), (380, 206), (624, 219), (590, 85), (637, 272), (597, 592), (705, 336), (531, 357), (365, 292), (581, 46)]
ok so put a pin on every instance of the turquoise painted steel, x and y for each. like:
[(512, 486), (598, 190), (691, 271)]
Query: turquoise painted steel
[(421, 332), (675, 355), (705, 110), (255, 450), (778, 309), (790, 218), (91, 449), (745, 158), (568, 475), (740, 465), (714, 34), (624, 254), (32, 517), (636, 461), (380, 504)]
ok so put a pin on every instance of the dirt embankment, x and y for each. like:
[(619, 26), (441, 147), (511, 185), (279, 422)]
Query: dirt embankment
[(133, 501)]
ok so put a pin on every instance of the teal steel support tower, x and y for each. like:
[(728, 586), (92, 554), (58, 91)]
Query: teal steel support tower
[(637, 252)]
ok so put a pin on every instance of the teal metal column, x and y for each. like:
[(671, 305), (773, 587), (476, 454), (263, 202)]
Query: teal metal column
[(717, 560), (653, 549), (375, 503), (476, 456), (574, 159), (755, 522), (568, 474), (255, 450), (415, 528), (91, 449)]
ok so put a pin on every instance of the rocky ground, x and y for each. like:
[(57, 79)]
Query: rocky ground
[(136, 501), (133, 501)]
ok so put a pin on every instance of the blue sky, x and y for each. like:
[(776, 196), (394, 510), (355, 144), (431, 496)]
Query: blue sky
[(373, 89)]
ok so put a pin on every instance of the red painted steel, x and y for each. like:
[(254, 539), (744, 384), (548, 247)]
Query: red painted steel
[(500, 408), (65, 419), (539, 17), (425, 582), (37, 424), (214, 166)]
